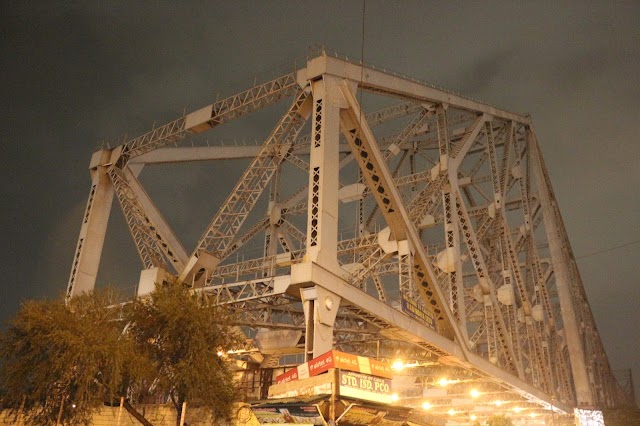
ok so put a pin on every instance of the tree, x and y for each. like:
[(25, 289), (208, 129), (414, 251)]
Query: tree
[(186, 339), (61, 362), (497, 420)]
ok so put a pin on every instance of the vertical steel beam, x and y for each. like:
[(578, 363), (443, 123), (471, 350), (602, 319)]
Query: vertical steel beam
[(322, 219), (405, 270), (451, 220), (453, 252), (320, 306), (86, 260)]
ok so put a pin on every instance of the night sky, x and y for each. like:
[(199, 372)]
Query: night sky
[(76, 73)]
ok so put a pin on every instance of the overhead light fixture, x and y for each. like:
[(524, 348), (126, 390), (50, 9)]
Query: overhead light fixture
[(474, 393), (443, 382), (426, 406), (452, 412), (517, 409), (473, 417), (498, 403), (397, 365), (395, 397)]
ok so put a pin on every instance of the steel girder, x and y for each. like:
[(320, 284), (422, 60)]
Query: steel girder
[(448, 203), (215, 114)]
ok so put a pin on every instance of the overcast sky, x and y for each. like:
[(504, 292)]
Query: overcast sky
[(75, 73)]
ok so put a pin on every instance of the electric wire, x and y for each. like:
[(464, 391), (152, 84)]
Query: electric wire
[(364, 10), (607, 250)]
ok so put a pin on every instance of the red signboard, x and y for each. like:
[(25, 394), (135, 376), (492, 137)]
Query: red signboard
[(288, 376), (321, 364), (337, 359)]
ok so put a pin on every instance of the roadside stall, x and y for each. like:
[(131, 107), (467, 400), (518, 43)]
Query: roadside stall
[(335, 389)]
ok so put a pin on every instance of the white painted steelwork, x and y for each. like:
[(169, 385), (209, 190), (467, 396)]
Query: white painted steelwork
[(446, 203)]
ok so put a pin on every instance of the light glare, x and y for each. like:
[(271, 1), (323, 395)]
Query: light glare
[(397, 365)]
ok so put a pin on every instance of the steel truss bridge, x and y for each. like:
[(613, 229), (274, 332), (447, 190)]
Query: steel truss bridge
[(425, 230)]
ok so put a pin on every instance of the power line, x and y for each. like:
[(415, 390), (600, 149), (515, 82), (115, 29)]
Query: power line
[(364, 11), (607, 250)]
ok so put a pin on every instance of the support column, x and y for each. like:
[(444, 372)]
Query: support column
[(86, 260), (271, 235), (584, 397), (322, 218), (321, 306), (320, 310)]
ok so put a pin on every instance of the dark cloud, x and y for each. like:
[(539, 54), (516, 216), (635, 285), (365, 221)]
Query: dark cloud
[(481, 75), (74, 74)]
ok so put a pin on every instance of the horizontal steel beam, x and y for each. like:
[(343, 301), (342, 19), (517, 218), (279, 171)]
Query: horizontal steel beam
[(209, 153), (380, 81), (406, 328)]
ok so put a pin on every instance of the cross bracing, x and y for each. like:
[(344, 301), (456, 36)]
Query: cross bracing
[(426, 198)]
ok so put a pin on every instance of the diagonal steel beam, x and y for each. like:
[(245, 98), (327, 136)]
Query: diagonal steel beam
[(174, 250), (486, 282), (223, 228), (387, 196), (561, 255), (244, 238), (148, 242)]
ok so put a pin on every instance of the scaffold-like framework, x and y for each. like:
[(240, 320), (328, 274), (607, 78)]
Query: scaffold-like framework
[(425, 230)]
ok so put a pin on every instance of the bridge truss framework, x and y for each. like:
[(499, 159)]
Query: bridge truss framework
[(434, 202)]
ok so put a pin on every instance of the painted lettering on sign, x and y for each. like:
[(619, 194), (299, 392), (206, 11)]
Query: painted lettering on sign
[(416, 311), (364, 386), (337, 359), (288, 376), (321, 364)]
